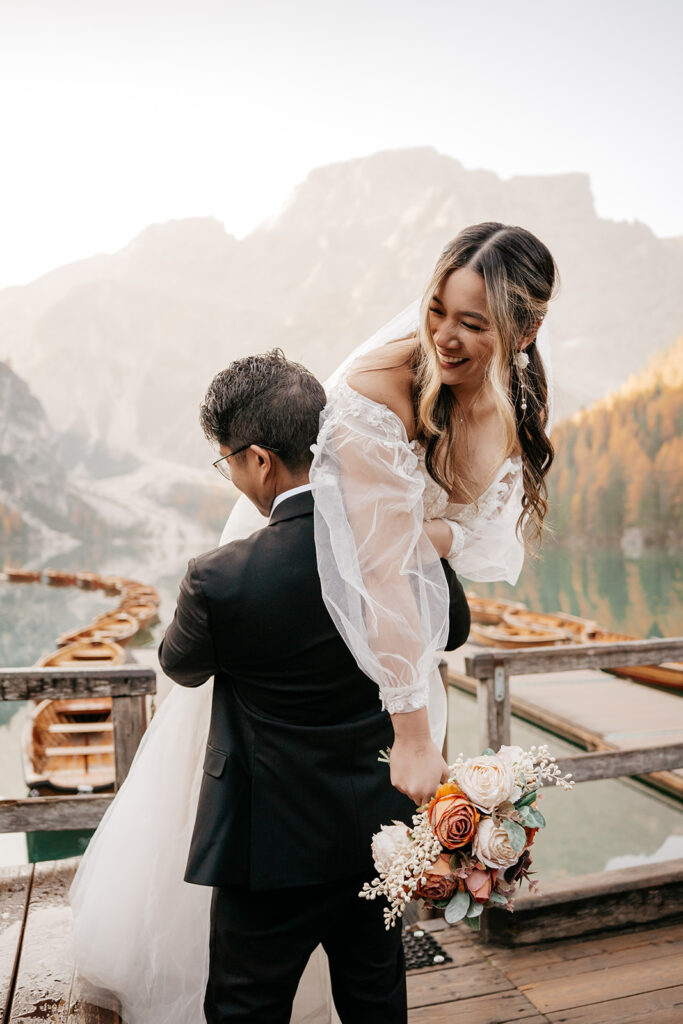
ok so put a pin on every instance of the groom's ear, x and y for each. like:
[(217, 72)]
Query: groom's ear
[(264, 458)]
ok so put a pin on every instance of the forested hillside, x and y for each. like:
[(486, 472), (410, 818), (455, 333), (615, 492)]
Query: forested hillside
[(619, 464)]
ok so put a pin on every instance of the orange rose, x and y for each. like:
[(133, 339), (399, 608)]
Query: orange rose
[(479, 884), (452, 816), (439, 883)]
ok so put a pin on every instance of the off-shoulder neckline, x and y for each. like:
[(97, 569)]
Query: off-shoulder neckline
[(510, 462)]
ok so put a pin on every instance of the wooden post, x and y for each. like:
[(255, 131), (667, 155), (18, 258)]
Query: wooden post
[(493, 700), (128, 716)]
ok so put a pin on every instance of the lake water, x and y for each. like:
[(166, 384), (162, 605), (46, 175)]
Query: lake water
[(599, 825)]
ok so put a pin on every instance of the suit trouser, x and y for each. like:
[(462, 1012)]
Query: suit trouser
[(261, 941)]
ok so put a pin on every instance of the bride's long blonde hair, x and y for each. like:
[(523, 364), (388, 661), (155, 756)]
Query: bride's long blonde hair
[(520, 275)]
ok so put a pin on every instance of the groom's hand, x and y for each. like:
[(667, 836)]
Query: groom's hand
[(417, 767)]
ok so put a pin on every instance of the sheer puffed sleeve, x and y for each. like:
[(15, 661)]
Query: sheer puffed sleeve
[(381, 578)]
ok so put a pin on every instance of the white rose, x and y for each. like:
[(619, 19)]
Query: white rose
[(513, 756), (388, 844), (487, 780), (492, 846)]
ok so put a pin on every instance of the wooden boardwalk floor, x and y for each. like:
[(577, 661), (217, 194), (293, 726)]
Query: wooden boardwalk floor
[(594, 709), (629, 978)]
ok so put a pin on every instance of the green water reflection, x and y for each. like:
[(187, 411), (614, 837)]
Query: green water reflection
[(641, 596)]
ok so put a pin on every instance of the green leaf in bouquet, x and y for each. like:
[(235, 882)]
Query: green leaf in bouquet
[(475, 909), (531, 817), (440, 903), (473, 922), (496, 898), (489, 750), (516, 835), (458, 906), (527, 799)]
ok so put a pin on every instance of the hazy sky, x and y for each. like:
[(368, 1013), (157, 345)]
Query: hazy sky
[(115, 114)]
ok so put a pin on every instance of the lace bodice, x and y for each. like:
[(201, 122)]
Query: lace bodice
[(381, 578)]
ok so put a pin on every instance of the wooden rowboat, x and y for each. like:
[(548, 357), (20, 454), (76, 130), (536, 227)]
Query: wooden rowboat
[(145, 613), (668, 675), (57, 578), (67, 745), (88, 580), (143, 594), (117, 625), (490, 610), (23, 575), (506, 635), (84, 653), (571, 624)]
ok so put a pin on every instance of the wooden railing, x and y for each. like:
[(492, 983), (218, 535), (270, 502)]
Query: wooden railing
[(492, 671), (127, 685), (586, 904)]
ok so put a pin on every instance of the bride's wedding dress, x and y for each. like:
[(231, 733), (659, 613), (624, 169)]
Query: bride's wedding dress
[(139, 930)]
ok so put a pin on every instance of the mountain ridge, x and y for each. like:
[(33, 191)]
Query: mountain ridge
[(124, 345)]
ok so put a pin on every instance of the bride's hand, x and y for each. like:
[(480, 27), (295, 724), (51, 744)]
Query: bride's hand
[(439, 533), (417, 767)]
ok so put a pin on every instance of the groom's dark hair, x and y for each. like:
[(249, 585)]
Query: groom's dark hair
[(268, 400)]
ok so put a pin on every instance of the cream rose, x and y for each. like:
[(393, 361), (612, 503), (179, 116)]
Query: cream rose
[(513, 756), (492, 846), (487, 780), (388, 844)]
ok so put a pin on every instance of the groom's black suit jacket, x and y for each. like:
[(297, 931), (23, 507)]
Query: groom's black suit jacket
[(292, 789)]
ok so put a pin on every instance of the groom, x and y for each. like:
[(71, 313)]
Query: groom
[(292, 789)]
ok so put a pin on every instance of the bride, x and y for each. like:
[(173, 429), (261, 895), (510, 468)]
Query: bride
[(442, 416)]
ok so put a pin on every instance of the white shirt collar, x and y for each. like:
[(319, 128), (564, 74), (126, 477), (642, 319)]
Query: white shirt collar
[(288, 494)]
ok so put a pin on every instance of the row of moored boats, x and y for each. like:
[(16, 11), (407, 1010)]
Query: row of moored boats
[(68, 744), (510, 624)]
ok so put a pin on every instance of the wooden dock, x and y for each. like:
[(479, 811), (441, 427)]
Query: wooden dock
[(630, 977), (596, 710)]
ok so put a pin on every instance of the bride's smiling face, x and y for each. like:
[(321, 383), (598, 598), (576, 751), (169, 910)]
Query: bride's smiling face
[(463, 333)]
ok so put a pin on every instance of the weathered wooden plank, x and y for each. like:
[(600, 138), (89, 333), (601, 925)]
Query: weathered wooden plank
[(45, 971), (129, 718), (559, 659), (55, 683), (501, 1008), (493, 703), (610, 764), (590, 988), (522, 975), (544, 954), (81, 1012), (630, 897), (661, 1006), (15, 891), (53, 813), (452, 983)]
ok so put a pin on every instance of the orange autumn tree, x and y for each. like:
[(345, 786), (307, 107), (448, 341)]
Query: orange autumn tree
[(619, 464)]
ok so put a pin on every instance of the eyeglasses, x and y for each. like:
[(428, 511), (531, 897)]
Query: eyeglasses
[(222, 464)]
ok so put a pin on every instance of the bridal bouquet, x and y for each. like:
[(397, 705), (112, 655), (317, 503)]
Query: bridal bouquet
[(469, 846)]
